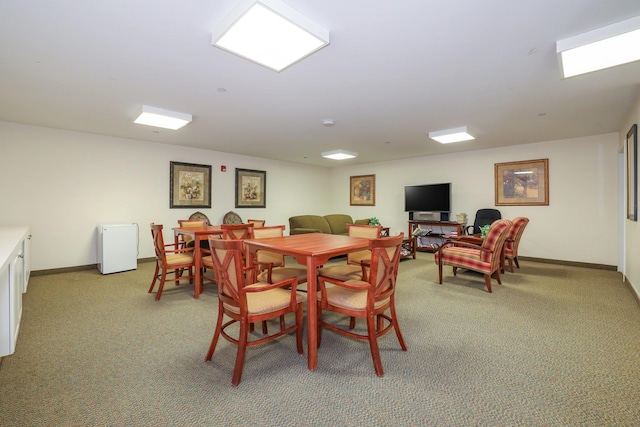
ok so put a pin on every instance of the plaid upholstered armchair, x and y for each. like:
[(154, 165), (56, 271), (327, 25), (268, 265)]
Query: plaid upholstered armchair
[(513, 241), (485, 258)]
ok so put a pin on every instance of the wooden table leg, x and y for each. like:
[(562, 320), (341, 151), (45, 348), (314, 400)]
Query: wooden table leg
[(197, 281), (312, 314)]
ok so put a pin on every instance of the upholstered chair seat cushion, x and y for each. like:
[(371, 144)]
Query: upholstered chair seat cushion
[(177, 259), (267, 301), (342, 272), (207, 261), (464, 257), (350, 299), (283, 273)]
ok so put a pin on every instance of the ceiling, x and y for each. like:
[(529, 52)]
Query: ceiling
[(394, 71)]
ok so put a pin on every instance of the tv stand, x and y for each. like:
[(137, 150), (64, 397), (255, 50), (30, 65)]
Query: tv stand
[(431, 234)]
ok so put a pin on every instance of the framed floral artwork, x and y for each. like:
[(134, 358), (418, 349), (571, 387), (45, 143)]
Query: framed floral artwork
[(251, 188), (362, 190), (189, 185)]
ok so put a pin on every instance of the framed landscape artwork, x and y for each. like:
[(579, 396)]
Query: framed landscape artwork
[(362, 190), (251, 188), (632, 173), (189, 185), (524, 183)]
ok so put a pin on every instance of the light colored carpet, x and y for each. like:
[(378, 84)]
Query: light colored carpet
[(554, 345)]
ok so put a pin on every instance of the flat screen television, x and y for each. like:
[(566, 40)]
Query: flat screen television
[(427, 198)]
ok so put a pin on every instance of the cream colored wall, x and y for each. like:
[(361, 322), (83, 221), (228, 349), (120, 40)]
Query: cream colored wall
[(631, 228), (63, 184), (580, 224)]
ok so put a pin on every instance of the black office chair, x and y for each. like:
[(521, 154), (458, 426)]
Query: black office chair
[(483, 217)]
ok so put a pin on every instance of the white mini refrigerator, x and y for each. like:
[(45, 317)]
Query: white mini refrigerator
[(117, 247)]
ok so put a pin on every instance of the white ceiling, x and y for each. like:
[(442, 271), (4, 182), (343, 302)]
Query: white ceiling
[(395, 70)]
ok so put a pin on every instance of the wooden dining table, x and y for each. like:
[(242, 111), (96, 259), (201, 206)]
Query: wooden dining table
[(198, 234), (312, 250)]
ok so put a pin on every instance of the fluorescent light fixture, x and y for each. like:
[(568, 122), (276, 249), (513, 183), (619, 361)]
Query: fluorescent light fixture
[(605, 47), (157, 117), (269, 33), (339, 154), (451, 135)]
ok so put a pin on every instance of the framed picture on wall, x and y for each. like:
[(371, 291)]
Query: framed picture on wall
[(523, 183), (632, 173), (189, 185), (251, 188), (362, 190)]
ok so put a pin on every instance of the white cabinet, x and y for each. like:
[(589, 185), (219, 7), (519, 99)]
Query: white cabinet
[(14, 276)]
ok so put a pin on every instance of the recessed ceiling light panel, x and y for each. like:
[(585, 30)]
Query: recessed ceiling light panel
[(605, 47), (269, 33), (451, 135), (339, 154), (158, 117)]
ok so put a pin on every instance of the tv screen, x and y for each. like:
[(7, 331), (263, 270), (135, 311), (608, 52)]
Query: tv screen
[(427, 198)]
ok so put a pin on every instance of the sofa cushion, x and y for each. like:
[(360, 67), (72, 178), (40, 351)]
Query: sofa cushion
[(338, 223), (309, 223)]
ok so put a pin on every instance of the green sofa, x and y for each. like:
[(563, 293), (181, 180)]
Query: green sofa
[(328, 224)]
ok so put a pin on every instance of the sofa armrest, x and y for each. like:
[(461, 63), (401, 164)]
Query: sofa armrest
[(303, 231)]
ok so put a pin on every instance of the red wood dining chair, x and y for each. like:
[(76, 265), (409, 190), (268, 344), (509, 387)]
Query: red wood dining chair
[(170, 258), (246, 304), (368, 299), (185, 239), (357, 262), (271, 265)]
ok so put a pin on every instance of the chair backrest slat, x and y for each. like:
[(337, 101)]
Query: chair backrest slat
[(158, 242), (385, 259), (235, 231), (228, 265)]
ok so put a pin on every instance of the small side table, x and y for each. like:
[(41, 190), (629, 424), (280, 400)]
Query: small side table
[(384, 232), (409, 247)]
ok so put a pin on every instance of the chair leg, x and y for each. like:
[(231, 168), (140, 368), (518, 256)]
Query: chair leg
[(380, 324), (496, 275), (352, 322), (487, 281), (161, 286), (216, 334), (242, 351), (155, 277), (373, 344), (396, 326), (516, 261), (282, 324), (440, 272), (319, 326), (299, 320)]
